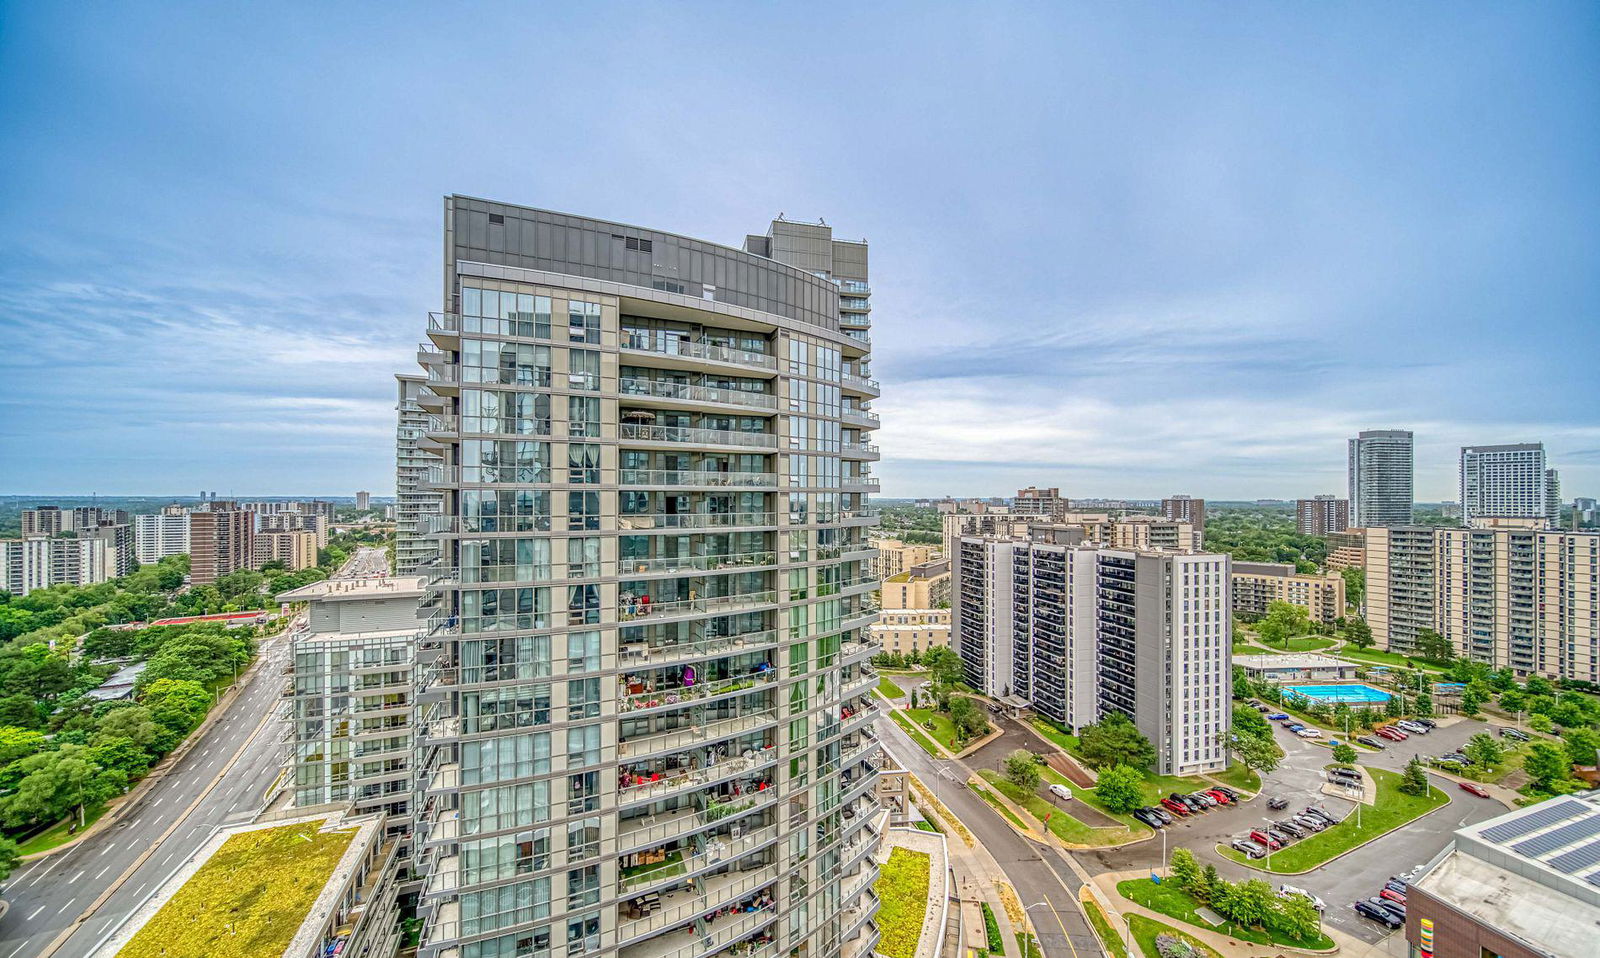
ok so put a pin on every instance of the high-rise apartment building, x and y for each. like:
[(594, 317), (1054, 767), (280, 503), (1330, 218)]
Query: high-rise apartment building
[(1077, 631), (80, 557), (295, 549), (1048, 504), (1186, 509), (157, 536), (1552, 497), (354, 686), (416, 502), (1256, 585), (1321, 516), (1381, 466), (46, 521), (644, 698), (363, 501), (894, 557), (314, 523), (221, 540), (1506, 482), (1517, 598), (988, 523), (1347, 549)]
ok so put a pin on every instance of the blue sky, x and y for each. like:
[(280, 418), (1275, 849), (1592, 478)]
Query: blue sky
[(1121, 249)]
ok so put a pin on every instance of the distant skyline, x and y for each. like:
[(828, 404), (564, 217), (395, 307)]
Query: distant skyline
[(1128, 250)]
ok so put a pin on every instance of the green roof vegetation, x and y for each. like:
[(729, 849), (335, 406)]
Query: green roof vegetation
[(902, 886), (249, 899)]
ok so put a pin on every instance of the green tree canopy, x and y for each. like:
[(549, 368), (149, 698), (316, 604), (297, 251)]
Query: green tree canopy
[(1021, 770), (1115, 741), (1120, 788)]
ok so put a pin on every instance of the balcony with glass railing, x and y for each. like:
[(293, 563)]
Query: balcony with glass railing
[(657, 828), (654, 780), (640, 432), (861, 384), (647, 692), (695, 520), (708, 936), (689, 392), (696, 349), (860, 417), (643, 919), (670, 741), (691, 478), (655, 654)]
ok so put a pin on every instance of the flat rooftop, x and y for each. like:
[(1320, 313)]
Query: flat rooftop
[(1291, 660), (1541, 916), (252, 891), (366, 587)]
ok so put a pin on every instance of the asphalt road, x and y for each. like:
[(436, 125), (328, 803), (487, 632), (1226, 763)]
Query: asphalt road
[(1038, 872), (173, 818)]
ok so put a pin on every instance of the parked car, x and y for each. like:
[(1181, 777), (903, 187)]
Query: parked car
[(1399, 911), (1368, 910), (1248, 847), (1297, 831), (1227, 791), (1262, 838), (1205, 800), (1413, 727), (1176, 808), (1060, 791), (1391, 733), (1475, 789), (1430, 724), (1371, 742), (1262, 708), (1277, 716), (1223, 798), (1287, 890), (1308, 733), (1188, 803), (1282, 836), (1161, 813), (1148, 817), (1389, 894), (1319, 813), (1310, 821), (1514, 734), (1396, 884), (1342, 772), (1293, 726), (1276, 803), (1455, 757)]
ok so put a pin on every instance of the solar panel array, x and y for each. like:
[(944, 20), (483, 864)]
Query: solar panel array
[(1565, 835), (1578, 859), (1541, 817)]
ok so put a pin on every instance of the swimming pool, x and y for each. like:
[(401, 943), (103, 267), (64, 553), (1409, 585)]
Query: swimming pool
[(1331, 694)]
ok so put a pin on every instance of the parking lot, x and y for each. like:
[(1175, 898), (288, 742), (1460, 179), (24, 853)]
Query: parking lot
[(1299, 778)]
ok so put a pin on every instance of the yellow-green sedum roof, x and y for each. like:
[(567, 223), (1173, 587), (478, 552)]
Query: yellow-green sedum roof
[(249, 899)]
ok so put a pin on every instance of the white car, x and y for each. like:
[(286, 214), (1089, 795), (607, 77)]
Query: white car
[(1061, 791), (1309, 733), (1287, 890)]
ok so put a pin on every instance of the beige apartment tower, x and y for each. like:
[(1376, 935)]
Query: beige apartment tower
[(220, 541)]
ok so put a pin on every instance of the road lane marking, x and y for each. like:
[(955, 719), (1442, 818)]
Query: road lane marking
[(101, 872), (34, 914)]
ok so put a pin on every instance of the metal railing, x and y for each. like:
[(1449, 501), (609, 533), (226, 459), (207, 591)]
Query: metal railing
[(672, 698), (715, 604), (695, 349), (643, 432), (666, 389), (700, 477)]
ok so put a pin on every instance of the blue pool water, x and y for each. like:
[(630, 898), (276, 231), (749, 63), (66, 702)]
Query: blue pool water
[(1350, 694)]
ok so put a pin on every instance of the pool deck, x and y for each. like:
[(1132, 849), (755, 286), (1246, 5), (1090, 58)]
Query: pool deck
[(1335, 693)]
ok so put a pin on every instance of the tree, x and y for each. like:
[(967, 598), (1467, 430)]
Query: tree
[(177, 704), (1248, 721), (1355, 587), (1290, 619), (1211, 886), (1259, 753), (1484, 751), (121, 754), (1249, 903), (1414, 781), (1359, 633), (1502, 680), (133, 723), (1021, 770), (1424, 703), (1513, 700), (1120, 788), (1344, 753), (1241, 684), (18, 743), (1183, 869), (1539, 685), (1541, 722), (944, 664), (1395, 707), (1547, 765), (1298, 918), (1581, 744), (1433, 646), (1115, 741), (1471, 700)]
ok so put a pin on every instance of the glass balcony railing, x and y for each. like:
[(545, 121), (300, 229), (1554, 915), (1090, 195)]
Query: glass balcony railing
[(697, 477), (644, 432), (696, 349), (715, 688), (696, 520), (664, 389)]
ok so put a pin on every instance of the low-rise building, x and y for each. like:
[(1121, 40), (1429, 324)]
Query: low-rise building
[(903, 631), (895, 557), (1256, 585), (1346, 550), (1296, 667), (1525, 884), (926, 586)]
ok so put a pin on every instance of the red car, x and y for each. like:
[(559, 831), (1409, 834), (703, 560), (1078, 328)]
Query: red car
[(1221, 797), (1475, 789), (1176, 808), (1392, 895), (1391, 733), (1265, 840)]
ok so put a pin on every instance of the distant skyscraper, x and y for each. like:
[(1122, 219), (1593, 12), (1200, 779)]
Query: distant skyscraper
[(1506, 482), (1552, 497), (363, 501), (1045, 503), (1186, 509), (1381, 466), (416, 502), (220, 541), (1322, 515)]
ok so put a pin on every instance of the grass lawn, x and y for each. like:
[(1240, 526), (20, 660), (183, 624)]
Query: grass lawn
[(1303, 643), (1391, 659), (902, 887), (1394, 808), (1054, 735), (916, 734), (250, 898), (887, 687), (1174, 902), (57, 834), (999, 806), (943, 731), (925, 825), (1102, 925), (1145, 931), (1088, 797), (1240, 777), (991, 930), (1062, 824), (1028, 946)]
